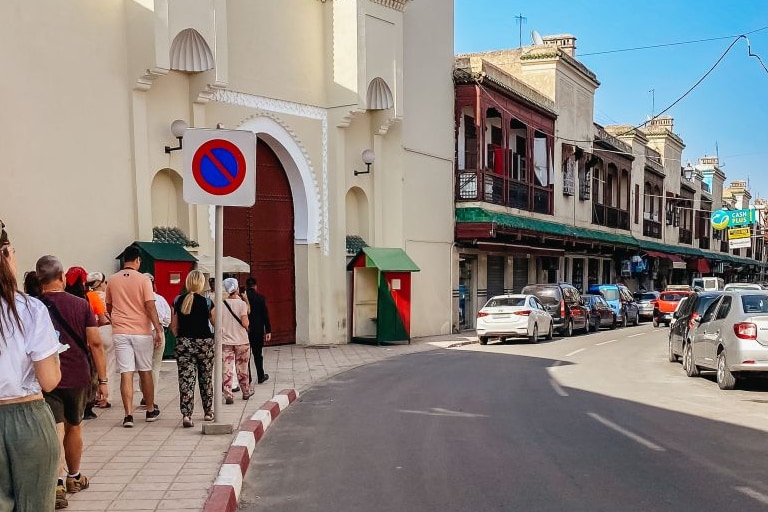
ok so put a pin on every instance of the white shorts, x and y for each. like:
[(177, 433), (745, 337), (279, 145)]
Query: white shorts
[(133, 352)]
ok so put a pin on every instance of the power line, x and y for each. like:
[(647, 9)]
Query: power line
[(664, 45)]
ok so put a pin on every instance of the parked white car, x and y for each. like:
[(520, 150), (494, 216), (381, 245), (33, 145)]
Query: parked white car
[(742, 286), (513, 316)]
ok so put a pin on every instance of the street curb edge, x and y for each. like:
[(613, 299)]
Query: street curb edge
[(225, 492)]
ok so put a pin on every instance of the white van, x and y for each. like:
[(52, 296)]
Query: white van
[(708, 284)]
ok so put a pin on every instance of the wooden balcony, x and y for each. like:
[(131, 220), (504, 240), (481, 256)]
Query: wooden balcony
[(685, 236), (651, 228), (490, 187), (610, 217)]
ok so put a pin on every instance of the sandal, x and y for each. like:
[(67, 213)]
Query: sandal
[(208, 417), (186, 422)]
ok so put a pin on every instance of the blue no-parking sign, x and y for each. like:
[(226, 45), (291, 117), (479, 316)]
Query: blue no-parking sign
[(219, 167)]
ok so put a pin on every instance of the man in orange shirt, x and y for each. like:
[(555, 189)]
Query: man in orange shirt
[(131, 306)]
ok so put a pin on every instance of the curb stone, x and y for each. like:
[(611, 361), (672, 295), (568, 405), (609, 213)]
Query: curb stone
[(225, 492)]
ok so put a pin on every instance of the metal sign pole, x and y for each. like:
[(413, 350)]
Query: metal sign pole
[(218, 427)]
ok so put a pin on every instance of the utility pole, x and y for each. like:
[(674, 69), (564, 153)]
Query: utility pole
[(520, 20)]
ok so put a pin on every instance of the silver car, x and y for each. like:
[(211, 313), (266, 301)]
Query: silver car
[(731, 338)]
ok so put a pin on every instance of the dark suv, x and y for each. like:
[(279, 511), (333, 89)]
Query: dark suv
[(683, 324), (564, 303)]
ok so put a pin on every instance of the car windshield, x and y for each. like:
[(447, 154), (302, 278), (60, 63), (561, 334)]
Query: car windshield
[(755, 303), (547, 295), (498, 302), (645, 297), (610, 293), (671, 297)]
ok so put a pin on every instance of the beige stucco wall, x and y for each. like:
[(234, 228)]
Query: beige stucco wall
[(93, 98), (66, 177)]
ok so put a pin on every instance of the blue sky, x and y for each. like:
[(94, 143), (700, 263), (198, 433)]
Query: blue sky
[(729, 108)]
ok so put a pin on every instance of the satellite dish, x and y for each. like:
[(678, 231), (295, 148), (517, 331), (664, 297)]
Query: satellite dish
[(536, 38)]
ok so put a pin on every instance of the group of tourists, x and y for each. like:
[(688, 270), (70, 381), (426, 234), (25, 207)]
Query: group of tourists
[(70, 332)]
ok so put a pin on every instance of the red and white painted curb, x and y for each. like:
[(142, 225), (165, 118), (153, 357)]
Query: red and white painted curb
[(225, 492)]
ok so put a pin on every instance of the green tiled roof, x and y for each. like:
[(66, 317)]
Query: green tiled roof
[(386, 259), (171, 235), (164, 252), (354, 244), (474, 214)]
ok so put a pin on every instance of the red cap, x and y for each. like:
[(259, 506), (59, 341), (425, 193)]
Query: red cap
[(75, 274)]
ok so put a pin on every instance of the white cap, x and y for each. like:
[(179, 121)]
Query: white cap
[(231, 285)]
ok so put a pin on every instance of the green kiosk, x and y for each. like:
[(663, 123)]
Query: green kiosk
[(381, 295)]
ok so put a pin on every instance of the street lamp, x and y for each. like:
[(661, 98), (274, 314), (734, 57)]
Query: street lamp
[(178, 127), (688, 171), (368, 157)]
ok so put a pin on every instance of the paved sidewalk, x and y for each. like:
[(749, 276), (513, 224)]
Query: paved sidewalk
[(161, 466)]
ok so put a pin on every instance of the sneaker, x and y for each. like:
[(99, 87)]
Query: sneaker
[(152, 415), (235, 389), (89, 414), (77, 483), (61, 496), (264, 378), (229, 401), (128, 421), (143, 403)]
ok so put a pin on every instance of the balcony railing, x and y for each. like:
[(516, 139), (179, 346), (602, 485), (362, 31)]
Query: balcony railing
[(651, 228), (490, 187), (703, 243), (686, 236), (610, 217)]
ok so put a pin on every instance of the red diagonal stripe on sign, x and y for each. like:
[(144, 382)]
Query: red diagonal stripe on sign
[(223, 170)]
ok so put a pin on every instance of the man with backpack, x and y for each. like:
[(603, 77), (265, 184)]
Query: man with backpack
[(76, 325)]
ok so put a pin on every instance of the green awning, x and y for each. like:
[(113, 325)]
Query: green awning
[(385, 259), (163, 252), (474, 214), (682, 250)]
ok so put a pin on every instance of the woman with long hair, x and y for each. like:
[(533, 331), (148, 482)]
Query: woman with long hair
[(29, 364), (195, 348)]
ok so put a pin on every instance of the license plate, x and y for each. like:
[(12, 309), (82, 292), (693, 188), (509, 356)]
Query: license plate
[(502, 315), (668, 316)]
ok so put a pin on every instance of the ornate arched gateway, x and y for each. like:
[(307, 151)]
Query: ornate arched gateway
[(263, 236)]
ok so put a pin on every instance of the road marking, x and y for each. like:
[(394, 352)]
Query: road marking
[(437, 411), (762, 498), (635, 335), (605, 342), (560, 391), (575, 352), (625, 432)]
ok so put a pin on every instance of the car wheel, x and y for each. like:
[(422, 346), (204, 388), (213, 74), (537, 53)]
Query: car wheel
[(725, 379), (483, 340), (613, 323), (655, 322), (551, 333), (637, 319), (593, 326), (624, 322), (690, 368), (671, 355), (534, 338), (568, 330)]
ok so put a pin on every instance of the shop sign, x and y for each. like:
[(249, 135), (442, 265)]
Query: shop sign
[(740, 243), (735, 233), (722, 219)]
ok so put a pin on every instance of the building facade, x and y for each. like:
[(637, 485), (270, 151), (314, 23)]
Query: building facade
[(98, 84), (543, 194)]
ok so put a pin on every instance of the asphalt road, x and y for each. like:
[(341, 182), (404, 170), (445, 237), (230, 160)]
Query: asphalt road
[(598, 422)]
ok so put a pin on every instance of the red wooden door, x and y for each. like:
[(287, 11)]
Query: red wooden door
[(263, 236)]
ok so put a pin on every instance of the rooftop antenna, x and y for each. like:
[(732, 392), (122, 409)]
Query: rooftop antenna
[(520, 20), (536, 38), (653, 101)]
